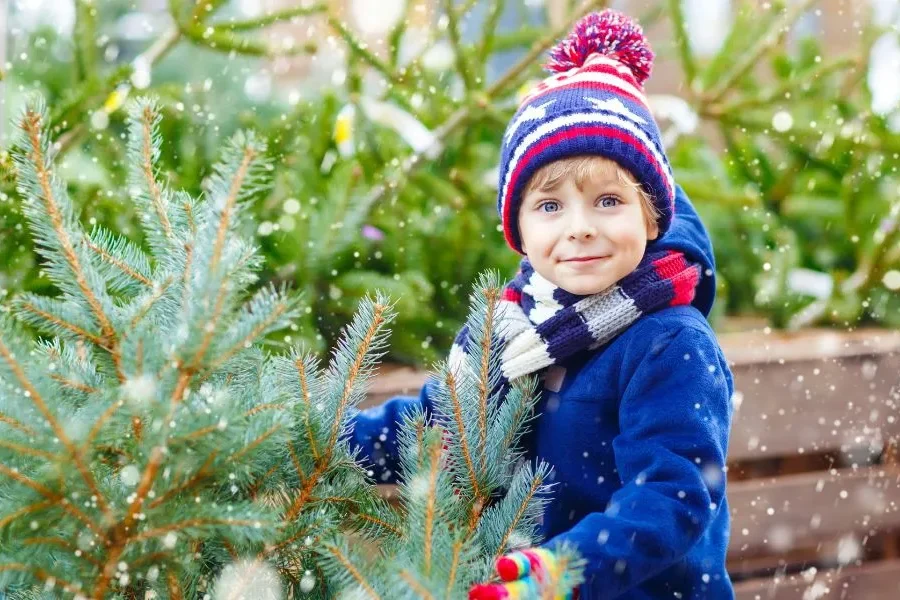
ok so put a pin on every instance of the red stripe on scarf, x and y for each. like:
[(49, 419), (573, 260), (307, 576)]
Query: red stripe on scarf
[(512, 295), (675, 268)]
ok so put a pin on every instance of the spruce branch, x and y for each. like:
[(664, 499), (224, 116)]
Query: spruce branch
[(42, 575), (25, 510), (55, 498), (16, 424), (55, 224), (146, 115), (346, 564), (462, 65), (55, 317), (359, 49), (304, 366), (286, 14), (489, 31), (751, 57), (461, 430), (685, 53), (16, 368)]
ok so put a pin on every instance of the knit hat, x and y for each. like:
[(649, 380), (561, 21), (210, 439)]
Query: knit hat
[(594, 104)]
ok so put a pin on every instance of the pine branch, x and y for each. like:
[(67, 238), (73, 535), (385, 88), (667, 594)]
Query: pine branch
[(751, 57), (191, 524), (25, 510), (75, 385), (489, 31), (99, 423), (269, 310), (156, 293), (380, 523), (688, 64), (38, 400), (434, 466), (345, 562), (302, 369), (28, 451), (51, 496), (491, 296), (16, 424), (203, 473), (455, 402), (61, 543), (287, 14), (41, 574), (454, 565), (119, 536), (256, 442), (462, 66), (148, 117), (48, 314), (362, 354), (415, 586), (112, 256), (35, 168)]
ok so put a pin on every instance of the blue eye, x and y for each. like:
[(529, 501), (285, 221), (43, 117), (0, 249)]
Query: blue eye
[(552, 203), (609, 201)]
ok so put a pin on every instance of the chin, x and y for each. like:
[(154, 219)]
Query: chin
[(585, 288)]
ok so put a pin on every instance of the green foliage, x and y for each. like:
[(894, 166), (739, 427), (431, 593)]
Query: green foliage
[(151, 442), (802, 205)]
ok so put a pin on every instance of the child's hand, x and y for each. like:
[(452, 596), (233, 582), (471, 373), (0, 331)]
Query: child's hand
[(524, 575)]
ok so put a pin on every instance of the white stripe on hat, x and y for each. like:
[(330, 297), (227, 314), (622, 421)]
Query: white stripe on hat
[(582, 118)]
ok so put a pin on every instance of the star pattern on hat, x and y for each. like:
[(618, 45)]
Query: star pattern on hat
[(531, 113), (614, 105)]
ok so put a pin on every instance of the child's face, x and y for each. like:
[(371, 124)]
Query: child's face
[(585, 240)]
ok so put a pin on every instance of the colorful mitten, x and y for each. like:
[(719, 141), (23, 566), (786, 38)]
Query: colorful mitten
[(524, 574)]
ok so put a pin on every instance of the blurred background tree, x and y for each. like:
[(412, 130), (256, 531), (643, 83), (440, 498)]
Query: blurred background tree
[(384, 119)]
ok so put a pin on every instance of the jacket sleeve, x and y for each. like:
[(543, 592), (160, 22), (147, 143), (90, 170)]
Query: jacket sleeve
[(674, 420), (374, 433), (688, 235)]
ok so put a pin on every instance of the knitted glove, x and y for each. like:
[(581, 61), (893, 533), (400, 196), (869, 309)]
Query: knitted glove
[(523, 573)]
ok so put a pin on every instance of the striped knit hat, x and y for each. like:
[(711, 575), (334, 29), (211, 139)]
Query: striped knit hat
[(593, 105)]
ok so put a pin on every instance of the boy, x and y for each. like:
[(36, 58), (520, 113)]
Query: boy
[(609, 305)]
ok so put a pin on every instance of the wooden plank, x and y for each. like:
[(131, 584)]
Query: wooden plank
[(757, 346), (778, 514), (815, 405), (869, 581)]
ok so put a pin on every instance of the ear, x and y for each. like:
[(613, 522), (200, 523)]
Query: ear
[(652, 230)]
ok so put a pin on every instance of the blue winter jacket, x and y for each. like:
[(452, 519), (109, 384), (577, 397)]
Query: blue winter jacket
[(637, 434)]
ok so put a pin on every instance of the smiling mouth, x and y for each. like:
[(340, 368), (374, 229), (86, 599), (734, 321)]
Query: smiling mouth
[(586, 259)]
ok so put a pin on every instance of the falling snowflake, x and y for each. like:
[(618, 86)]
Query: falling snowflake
[(248, 580)]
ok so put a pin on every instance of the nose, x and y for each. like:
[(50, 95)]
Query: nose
[(580, 227)]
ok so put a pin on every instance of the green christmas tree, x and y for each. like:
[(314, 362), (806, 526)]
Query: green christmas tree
[(153, 446)]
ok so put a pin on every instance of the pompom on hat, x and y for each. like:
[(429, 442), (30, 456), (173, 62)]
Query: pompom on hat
[(592, 104)]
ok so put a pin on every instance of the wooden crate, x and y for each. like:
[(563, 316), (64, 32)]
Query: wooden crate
[(814, 483)]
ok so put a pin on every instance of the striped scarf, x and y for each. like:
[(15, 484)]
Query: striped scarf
[(542, 324)]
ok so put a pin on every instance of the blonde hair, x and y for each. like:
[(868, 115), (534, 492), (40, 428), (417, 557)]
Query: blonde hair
[(584, 168)]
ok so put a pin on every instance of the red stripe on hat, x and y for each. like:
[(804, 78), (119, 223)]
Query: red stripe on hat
[(675, 268), (570, 132)]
